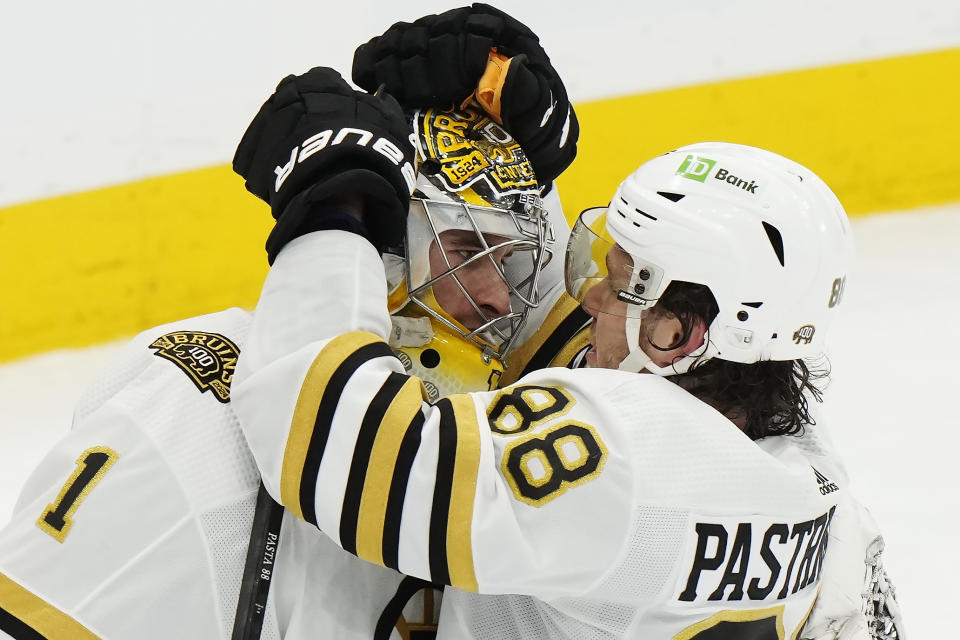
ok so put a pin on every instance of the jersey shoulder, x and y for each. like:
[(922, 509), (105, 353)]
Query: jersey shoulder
[(681, 450), (202, 350), (156, 463)]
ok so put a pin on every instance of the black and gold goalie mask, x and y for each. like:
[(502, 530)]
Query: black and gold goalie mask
[(477, 239)]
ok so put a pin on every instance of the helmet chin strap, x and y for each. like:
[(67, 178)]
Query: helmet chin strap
[(637, 359)]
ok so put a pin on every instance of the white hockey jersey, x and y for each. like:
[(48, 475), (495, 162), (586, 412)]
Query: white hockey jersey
[(136, 525), (163, 488), (615, 504)]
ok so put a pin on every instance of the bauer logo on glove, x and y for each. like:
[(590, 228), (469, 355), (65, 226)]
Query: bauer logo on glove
[(325, 156), (346, 135)]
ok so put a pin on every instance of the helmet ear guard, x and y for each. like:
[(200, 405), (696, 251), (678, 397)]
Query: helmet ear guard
[(764, 234)]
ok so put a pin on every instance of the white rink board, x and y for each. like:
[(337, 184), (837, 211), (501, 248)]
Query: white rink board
[(107, 92)]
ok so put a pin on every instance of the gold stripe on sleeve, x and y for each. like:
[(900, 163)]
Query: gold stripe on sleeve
[(31, 612), (803, 623), (305, 413), (383, 459), (519, 357), (571, 348), (463, 494)]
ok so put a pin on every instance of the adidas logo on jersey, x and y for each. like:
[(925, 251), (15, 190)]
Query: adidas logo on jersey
[(826, 487)]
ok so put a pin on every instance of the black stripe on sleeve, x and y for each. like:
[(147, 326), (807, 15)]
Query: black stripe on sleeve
[(398, 491), (442, 489), (17, 628), (321, 427), (567, 329), (361, 459)]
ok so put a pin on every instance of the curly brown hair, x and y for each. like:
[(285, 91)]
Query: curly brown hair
[(765, 398)]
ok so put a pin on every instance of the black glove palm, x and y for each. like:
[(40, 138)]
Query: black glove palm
[(316, 141), (438, 60)]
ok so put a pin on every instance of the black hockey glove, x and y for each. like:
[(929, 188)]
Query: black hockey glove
[(439, 61), (317, 144)]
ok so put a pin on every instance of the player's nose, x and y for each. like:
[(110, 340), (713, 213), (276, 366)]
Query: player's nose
[(489, 290)]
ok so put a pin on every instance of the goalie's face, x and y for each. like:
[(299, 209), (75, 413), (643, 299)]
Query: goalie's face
[(477, 233), (473, 290), (476, 269)]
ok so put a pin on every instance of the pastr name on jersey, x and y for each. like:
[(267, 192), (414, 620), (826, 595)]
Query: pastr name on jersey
[(755, 561)]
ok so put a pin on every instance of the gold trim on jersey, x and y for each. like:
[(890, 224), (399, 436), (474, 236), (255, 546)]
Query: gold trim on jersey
[(452, 548), (803, 622), (462, 495), (518, 359), (728, 615), (383, 461), (305, 414), (38, 615), (576, 344)]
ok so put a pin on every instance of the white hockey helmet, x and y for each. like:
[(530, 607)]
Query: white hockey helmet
[(763, 233), (476, 186)]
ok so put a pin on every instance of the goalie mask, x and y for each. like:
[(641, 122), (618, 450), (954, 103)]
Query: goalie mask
[(764, 234), (477, 239)]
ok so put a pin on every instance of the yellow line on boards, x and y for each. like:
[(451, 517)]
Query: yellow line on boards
[(95, 266), (883, 134)]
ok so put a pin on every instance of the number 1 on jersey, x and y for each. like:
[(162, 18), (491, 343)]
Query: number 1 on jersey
[(91, 466)]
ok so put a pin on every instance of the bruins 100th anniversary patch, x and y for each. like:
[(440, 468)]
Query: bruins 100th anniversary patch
[(208, 359)]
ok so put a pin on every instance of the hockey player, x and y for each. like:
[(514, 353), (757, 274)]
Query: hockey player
[(145, 521), (437, 59), (160, 481), (479, 53), (614, 504), (502, 252)]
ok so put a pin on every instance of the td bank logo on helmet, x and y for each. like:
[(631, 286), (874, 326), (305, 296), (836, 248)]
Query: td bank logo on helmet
[(700, 168)]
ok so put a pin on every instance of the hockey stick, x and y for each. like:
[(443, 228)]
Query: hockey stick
[(258, 569)]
